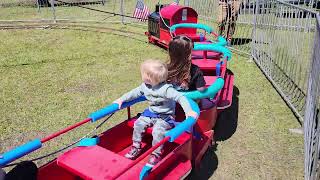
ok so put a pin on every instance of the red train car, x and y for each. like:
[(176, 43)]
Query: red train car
[(160, 21)]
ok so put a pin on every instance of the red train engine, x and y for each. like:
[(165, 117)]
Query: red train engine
[(165, 16)]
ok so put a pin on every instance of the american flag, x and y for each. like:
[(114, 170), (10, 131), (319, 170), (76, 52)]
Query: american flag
[(141, 12)]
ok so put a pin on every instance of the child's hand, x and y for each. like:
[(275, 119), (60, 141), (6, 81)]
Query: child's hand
[(119, 102), (192, 114), (201, 88)]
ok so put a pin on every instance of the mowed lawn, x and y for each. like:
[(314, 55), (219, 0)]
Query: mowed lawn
[(52, 78)]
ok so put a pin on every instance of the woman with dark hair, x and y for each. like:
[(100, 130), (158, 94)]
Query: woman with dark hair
[(181, 72)]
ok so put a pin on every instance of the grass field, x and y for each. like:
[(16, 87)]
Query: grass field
[(55, 77)]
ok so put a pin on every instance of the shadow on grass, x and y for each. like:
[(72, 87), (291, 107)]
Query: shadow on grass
[(225, 127), (25, 170), (227, 121), (240, 41), (208, 165)]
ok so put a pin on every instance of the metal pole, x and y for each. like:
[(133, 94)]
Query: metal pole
[(53, 11), (38, 6), (312, 120), (122, 10), (48, 138), (254, 28), (187, 2)]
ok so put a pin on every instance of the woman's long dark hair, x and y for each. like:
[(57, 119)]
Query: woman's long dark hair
[(179, 64)]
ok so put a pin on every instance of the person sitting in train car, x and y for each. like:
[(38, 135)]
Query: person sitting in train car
[(162, 98), (184, 75)]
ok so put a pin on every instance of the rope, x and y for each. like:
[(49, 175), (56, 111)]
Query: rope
[(159, 2), (162, 18), (66, 147)]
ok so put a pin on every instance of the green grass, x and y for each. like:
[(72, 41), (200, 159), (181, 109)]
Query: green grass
[(262, 147), (61, 12), (53, 78)]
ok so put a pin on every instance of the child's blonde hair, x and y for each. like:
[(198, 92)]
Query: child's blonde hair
[(154, 70)]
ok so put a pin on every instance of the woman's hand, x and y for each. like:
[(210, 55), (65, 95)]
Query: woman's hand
[(201, 88)]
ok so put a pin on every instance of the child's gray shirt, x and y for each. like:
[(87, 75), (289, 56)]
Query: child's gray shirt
[(162, 98)]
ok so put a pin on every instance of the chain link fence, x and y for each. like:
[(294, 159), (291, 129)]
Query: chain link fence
[(312, 115)]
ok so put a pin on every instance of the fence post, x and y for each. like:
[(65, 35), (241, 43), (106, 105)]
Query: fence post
[(187, 2), (53, 11), (122, 11), (311, 118), (38, 6), (254, 29)]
